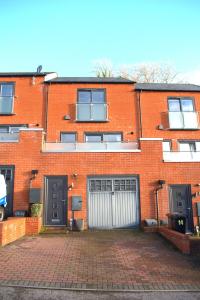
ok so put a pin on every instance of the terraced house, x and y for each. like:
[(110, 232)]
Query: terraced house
[(107, 152)]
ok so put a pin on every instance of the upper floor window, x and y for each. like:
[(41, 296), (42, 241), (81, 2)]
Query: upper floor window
[(103, 137), (182, 114), (181, 104), (9, 133), (68, 137), (91, 105), (6, 98)]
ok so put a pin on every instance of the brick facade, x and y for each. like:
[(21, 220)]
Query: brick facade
[(42, 106)]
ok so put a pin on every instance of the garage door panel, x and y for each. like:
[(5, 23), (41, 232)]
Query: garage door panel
[(124, 209), (100, 210), (112, 202)]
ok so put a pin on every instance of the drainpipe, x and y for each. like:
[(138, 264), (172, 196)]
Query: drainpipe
[(157, 206), (140, 114), (46, 108), (161, 183)]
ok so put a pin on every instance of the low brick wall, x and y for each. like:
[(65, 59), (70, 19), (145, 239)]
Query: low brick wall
[(33, 225), (15, 228), (150, 229), (195, 246), (180, 240), (11, 230)]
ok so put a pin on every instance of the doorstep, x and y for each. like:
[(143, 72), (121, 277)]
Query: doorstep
[(54, 230)]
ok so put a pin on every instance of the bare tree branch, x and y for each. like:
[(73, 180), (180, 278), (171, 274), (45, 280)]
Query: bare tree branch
[(150, 72), (103, 68)]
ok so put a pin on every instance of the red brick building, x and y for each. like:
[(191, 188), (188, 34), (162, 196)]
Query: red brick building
[(98, 149)]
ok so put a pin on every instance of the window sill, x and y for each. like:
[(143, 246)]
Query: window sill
[(9, 114), (92, 121), (183, 129)]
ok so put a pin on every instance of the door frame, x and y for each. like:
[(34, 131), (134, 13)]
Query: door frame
[(189, 215), (108, 176), (12, 185), (46, 199)]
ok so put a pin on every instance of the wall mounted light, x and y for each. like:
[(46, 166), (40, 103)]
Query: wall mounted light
[(161, 183), (70, 187), (34, 174), (75, 175)]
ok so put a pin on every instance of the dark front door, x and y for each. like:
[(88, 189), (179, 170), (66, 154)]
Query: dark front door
[(55, 200), (8, 172), (181, 202)]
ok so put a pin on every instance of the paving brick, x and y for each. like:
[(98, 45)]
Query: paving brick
[(99, 260)]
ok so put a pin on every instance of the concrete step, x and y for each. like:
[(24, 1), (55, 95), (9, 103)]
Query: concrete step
[(54, 230)]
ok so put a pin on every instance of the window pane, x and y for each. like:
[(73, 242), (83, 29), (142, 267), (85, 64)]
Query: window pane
[(112, 137), (190, 119), (6, 90), (93, 138), (192, 147), (176, 120), (84, 96), (98, 112), (166, 146), (6, 104), (187, 105), (108, 185), (174, 105), (68, 137), (184, 146), (83, 112), (98, 96), (197, 146), (97, 185), (189, 147), (4, 129)]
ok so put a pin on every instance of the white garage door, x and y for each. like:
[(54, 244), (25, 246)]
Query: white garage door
[(113, 202)]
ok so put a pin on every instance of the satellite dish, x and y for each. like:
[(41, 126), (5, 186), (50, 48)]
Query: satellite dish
[(39, 69)]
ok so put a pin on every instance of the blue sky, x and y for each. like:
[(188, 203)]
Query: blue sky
[(67, 36)]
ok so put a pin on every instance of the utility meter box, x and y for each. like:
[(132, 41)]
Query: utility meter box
[(35, 195), (198, 209), (76, 203)]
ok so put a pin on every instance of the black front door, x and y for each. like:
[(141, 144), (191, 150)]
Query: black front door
[(181, 202), (8, 172), (55, 200)]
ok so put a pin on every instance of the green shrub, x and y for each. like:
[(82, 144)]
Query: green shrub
[(36, 210)]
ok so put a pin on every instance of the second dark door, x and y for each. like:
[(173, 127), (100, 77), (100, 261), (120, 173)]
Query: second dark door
[(180, 197)]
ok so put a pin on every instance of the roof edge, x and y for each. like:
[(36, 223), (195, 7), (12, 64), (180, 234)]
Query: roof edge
[(25, 74)]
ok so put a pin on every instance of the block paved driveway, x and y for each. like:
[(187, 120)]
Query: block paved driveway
[(116, 260)]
